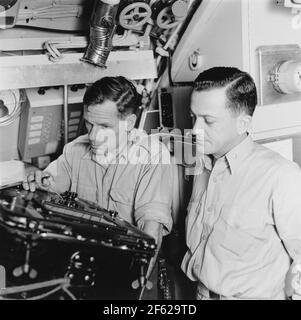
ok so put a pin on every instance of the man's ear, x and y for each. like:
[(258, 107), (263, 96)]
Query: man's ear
[(131, 121), (243, 123)]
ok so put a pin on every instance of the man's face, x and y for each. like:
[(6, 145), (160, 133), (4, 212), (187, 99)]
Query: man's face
[(105, 128), (217, 122)]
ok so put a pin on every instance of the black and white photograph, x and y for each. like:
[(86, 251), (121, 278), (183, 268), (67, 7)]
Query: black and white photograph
[(150, 151)]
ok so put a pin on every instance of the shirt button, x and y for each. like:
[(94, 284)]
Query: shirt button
[(214, 180), (209, 209), (204, 238)]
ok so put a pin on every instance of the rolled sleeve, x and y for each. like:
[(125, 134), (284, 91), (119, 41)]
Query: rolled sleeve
[(60, 170), (287, 210), (153, 197)]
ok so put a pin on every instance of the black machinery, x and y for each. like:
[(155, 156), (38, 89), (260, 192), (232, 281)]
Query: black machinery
[(57, 240)]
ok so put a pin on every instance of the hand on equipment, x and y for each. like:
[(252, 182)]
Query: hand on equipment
[(37, 180)]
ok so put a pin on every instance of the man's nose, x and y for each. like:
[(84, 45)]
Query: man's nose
[(93, 133), (198, 126)]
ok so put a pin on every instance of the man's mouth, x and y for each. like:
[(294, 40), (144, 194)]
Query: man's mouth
[(96, 145), (99, 149)]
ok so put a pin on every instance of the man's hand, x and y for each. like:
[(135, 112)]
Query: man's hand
[(37, 180)]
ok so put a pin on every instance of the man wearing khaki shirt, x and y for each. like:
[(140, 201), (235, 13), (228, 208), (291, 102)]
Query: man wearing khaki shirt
[(243, 229), (115, 165)]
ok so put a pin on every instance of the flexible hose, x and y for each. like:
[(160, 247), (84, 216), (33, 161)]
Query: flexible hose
[(102, 28)]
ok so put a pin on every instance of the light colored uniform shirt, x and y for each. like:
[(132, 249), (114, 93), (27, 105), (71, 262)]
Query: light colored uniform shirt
[(244, 223), (138, 192)]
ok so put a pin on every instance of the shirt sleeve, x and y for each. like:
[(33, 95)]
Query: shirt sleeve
[(153, 195), (287, 209), (60, 170)]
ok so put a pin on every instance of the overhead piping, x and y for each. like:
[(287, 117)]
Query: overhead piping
[(102, 28)]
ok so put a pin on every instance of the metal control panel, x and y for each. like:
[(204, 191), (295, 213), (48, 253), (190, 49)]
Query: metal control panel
[(41, 122)]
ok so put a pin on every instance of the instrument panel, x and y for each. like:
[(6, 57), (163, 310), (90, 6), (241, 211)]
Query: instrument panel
[(67, 218), (48, 237)]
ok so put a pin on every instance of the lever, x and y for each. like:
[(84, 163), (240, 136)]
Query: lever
[(25, 268), (142, 281)]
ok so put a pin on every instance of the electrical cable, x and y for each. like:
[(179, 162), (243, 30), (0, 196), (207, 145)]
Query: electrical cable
[(46, 294), (141, 292), (68, 292), (34, 286)]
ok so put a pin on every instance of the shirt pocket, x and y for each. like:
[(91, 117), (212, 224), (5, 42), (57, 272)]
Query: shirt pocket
[(241, 230), (121, 202)]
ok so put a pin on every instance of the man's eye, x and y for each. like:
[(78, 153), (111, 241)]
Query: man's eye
[(209, 122)]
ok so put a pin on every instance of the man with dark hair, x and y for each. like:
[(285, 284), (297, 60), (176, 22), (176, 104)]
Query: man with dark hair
[(117, 89), (244, 216), (115, 165)]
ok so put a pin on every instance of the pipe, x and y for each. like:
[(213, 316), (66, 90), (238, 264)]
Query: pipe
[(102, 28)]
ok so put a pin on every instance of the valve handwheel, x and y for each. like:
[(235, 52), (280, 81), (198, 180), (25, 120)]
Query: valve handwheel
[(166, 19), (134, 15)]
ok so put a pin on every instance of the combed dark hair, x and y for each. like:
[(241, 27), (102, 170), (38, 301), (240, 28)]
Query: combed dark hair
[(240, 87), (117, 89)]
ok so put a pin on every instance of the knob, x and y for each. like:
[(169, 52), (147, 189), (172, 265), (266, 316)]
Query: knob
[(113, 214), (41, 91), (72, 195), (74, 88)]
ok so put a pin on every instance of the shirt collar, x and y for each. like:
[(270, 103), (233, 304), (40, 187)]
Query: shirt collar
[(234, 157), (87, 154), (208, 162), (134, 137)]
